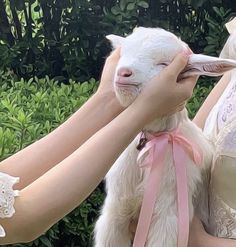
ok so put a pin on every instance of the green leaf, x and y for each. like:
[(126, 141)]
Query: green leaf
[(143, 4), (131, 6), (123, 4), (197, 3), (46, 242), (115, 10), (37, 8), (217, 11)]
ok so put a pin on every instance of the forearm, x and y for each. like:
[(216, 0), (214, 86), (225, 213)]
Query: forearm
[(211, 100), (33, 161), (198, 237), (210, 241), (65, 186)]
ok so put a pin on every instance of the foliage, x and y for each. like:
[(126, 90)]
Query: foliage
[(66, 39), (29, 110), (200, 93)]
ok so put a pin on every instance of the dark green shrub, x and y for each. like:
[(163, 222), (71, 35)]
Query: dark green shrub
[(66, 39)]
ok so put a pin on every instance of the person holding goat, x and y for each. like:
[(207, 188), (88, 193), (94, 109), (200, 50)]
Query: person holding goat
[(217, 118)]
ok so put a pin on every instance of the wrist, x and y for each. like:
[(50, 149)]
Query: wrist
[(145, 112), (140, 115), (109, 101)]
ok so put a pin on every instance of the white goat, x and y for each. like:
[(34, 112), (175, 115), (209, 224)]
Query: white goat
[(143, 55)]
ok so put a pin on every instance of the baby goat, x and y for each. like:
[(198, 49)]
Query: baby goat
[(144, 54)]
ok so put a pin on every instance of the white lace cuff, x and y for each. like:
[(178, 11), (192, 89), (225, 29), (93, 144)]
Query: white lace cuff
[(7, 197)]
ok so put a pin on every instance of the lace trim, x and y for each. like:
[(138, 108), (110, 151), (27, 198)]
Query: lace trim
[(227, 108), (7, 197), (222, 218), (226, 140)]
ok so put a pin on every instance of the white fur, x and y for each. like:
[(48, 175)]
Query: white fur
[(143, 53)]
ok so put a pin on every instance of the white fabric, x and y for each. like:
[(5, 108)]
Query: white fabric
[(231, 26), (7, 197), (223, 111), (220, 128)]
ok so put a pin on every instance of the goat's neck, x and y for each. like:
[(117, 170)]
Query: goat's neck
[(167, 123)]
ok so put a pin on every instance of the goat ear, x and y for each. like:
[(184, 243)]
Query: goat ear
[(206, 65), (115, 40)]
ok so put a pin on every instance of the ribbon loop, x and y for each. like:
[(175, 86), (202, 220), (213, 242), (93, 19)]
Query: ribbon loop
[(154, 153)]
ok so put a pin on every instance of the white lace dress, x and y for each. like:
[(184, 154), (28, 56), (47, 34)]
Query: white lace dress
[(220, 127), (7, 197)]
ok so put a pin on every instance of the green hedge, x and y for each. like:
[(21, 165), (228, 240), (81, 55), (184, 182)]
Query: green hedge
[(29, 110)]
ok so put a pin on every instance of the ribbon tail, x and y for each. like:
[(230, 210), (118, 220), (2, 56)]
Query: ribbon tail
[(150, 194), (182, 194), (148, 149), (192, 149)]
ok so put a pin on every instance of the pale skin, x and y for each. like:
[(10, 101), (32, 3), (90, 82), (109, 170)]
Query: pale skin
[(58, 172)]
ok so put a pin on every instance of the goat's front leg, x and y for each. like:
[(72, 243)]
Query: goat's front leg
[(122, 202), (164, 227), (163, 231), (112, 227)]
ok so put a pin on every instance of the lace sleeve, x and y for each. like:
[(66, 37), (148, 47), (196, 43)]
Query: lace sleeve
[(7, 197)]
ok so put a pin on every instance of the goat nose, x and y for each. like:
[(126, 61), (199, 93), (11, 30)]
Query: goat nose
[(124, 72)]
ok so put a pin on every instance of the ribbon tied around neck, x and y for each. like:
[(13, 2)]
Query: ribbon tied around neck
[(153, 156)]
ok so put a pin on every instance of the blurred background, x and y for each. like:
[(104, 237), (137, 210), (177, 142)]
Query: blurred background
[(51, 57)]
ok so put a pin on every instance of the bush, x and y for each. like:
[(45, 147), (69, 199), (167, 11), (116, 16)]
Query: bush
[(66, 39), (29, 110), (201, 91)]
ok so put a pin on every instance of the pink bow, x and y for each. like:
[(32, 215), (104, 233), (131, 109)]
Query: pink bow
[(155, 151)]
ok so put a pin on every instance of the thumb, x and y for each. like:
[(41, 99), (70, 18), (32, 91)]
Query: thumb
[(115, 54), (178, 64)]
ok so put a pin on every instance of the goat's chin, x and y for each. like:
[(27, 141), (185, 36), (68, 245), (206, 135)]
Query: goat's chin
[(126, 97)]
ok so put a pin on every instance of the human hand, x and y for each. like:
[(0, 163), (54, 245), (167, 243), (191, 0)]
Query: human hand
[(165, 94), (106, 82)]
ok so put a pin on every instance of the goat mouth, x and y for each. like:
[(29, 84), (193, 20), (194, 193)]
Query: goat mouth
[(127, 84), (127, 88)]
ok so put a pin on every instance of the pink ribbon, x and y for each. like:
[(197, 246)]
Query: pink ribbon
[(155, 151)]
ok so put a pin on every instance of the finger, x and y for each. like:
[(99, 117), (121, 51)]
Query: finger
[(178, 64), (187, 85), (181, 106), (193, 77), (115, 54), (189, 81), (189, 51)]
